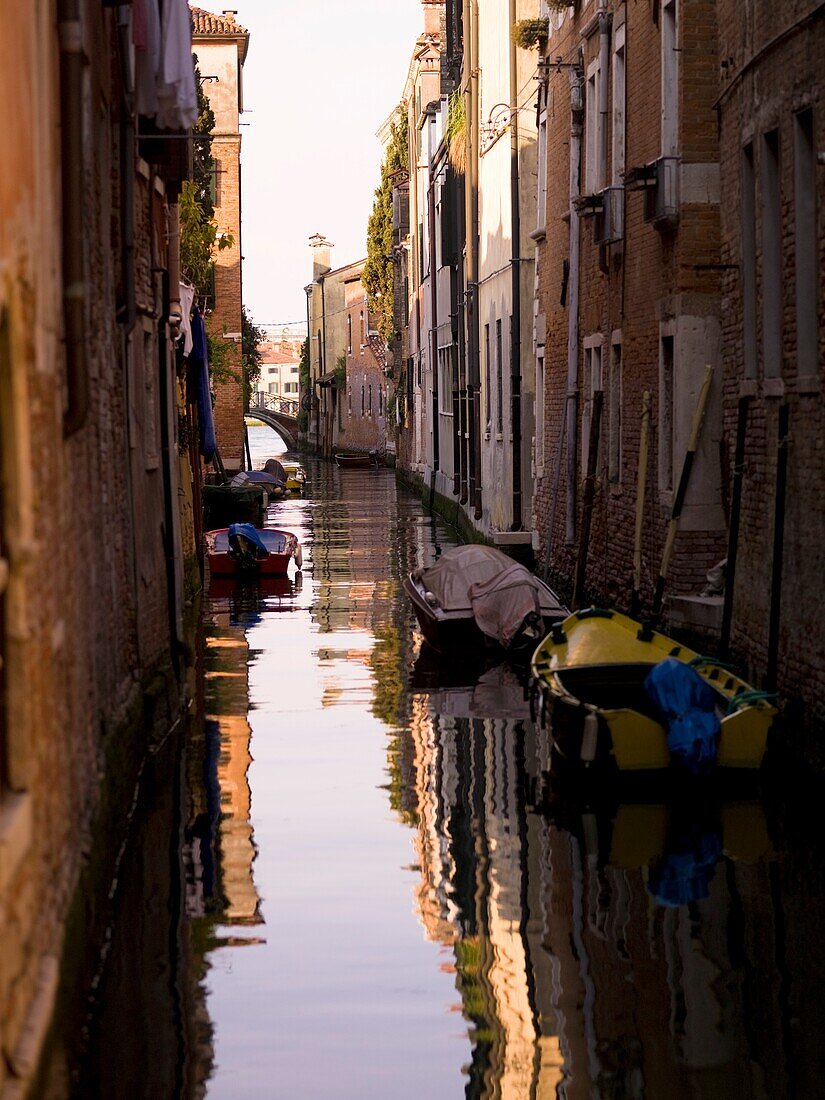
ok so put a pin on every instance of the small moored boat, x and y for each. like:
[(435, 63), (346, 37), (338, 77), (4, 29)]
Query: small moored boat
[(243, 549), (596, 671), (474, 596), (357, 461)]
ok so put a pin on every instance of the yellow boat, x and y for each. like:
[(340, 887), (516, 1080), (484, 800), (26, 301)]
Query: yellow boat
[(295, 476), (590, 672)]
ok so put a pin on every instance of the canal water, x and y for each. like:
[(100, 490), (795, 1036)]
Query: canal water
[(353, 877)]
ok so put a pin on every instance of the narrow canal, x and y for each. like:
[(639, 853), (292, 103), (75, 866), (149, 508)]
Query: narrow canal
[(352, 879)]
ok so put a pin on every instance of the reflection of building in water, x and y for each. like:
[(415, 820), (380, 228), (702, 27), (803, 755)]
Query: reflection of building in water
[(471, 843), (228, 847)]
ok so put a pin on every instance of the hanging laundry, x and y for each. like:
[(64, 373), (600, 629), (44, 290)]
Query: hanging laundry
[(187, 296), (177, 97)]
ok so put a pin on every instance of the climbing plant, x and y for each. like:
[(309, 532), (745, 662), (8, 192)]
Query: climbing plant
[(379, 270)]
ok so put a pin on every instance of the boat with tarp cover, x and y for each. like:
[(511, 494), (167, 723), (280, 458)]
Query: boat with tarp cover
[(617, 692), (243, 549), (475, 596)]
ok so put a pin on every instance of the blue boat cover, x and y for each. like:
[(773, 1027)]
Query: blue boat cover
[(689, 705), (247, 531)]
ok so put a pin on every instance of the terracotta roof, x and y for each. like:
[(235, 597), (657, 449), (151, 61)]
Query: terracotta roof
[(206, 22)]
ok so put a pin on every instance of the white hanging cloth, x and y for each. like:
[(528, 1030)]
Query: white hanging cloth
[(177, 98), (187, 296)]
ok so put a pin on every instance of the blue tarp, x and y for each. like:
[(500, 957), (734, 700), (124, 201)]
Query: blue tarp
[(247, 531), (200, 358), (688, 704)]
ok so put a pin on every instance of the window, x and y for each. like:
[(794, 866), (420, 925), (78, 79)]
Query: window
[(489, 394), (666, 357), (614, 460), (150, 392), (670, 80), (369, 400), (499, 383), (349, 400), (592, 383), (363, 399), (349, 334), (363, 332), (541, 210), (540, 411), (592, 183), (807, 273), (445, 382), (771, 257), (380, 400), (619, 95), (748, 209)]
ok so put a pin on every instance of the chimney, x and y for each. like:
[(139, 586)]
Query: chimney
[(432, 16), (320, 255)]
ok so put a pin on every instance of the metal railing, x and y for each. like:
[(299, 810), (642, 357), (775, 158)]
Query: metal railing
[(271, 402)]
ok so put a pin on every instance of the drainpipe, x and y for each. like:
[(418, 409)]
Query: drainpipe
[(433, 331), (474, 371), (71, 169), (604, 72), (573, 302), (515, 267), (127, 309)]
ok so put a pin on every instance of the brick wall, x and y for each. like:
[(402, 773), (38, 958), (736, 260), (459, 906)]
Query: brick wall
[(226, 315), (763, 87), (652, 277), (85, 624), (362, 419)]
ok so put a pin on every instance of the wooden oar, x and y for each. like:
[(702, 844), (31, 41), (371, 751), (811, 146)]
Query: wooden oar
[(679, 500), (587, 498), (641, 488)]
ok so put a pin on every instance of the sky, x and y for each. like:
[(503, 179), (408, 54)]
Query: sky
[(320, 78)]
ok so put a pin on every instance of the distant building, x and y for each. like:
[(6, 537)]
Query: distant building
[(280, 367), (348, 400), (221, 45)]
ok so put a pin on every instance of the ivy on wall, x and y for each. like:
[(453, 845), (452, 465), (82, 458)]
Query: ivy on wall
[(378, 276)]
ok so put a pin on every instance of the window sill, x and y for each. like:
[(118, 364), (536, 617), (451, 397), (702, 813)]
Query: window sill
[(747, 387), (773, 387), (809, 384)]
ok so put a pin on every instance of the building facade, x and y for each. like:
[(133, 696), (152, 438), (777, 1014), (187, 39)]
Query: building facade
[(600, 247), (93, 538), (221, 45), (772, 137), (348, 383)]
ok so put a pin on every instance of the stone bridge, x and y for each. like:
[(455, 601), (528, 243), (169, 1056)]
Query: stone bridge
[(279, 413)]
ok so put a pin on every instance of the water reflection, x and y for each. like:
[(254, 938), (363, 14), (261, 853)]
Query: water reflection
[(375, 887)]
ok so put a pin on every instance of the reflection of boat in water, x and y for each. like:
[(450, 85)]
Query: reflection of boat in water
[(496, 692), (676, 845), (595, 670), (474, 596), (242, 548)]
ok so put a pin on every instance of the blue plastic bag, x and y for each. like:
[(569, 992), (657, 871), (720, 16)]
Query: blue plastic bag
[(688, 704)]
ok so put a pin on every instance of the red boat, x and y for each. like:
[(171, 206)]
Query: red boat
[(242, 549)]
